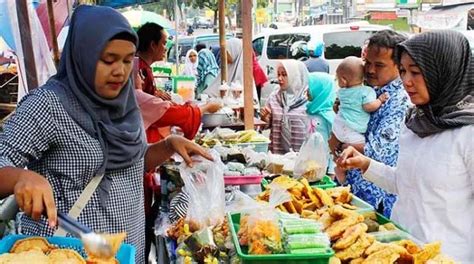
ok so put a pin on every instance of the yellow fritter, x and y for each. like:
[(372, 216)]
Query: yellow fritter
[(34, 255), (357, 249), (27, 244), (350, 235), (65, 256), (384, 256), (338, 227)]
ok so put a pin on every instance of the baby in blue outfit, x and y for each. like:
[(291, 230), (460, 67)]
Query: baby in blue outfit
[(357, 101)]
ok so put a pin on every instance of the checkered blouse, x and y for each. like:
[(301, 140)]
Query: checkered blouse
[(44, 138)]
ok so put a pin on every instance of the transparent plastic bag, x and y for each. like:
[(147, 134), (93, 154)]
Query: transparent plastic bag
[(259, 228), (312, 161), (205, 187)]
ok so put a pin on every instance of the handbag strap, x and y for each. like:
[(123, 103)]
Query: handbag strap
[(82, 201)]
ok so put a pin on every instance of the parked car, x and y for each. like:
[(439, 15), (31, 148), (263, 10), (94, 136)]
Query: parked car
[(187, 43), (202, 22)]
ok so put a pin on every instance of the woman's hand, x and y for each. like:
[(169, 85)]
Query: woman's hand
[(163, 95), (211, 107), (186, 148), (34, 196), (265, 114), (352, 159)]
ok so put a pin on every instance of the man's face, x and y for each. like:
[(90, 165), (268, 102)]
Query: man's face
[(159, 47), (380, 69)]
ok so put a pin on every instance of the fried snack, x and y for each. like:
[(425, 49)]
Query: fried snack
[(290, 207), (101, 261), (357, 249), (312, 206), (34, 255), (298, 206), (375, 247), (429, 251), (384, 256), (326, 220), (31, 243), (338, 212), (341, 195), (334, 260), (350, 235), (338, 227), (115, 241), (409, 245), (349, 206), (69, 256), (308, 191), (387, 227), (357, 261), (286, 183), (322, 195)]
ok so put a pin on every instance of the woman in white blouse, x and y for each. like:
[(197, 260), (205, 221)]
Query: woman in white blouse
[(434, 178)]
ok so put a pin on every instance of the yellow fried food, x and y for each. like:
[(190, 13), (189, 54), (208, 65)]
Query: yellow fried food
[(341, 195), (409, 245), (357, 261), (31, 243), (34, 255), (349, 206), (308, 191), (65, 256), (429, 251), (338, 211), (334, 260), (350, 235), (377, 246), (384, 256), (337, 228), (357, 249), (326, 220), (115, 241), (322, 195)]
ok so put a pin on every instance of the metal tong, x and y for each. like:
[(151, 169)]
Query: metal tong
[(93, 243)]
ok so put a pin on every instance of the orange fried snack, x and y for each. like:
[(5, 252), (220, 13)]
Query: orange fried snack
[(409, 245), (429, 251), (69, 256), (323, 196), (350, 235), (31, 243)]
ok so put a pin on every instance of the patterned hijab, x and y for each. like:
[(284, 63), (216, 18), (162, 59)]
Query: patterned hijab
[(323, 94), (116, 123), (294, 95), (206, 65), (445, 60)]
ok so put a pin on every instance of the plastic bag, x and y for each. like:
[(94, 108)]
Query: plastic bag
[(205, 186), (312, 161), (259, 228)]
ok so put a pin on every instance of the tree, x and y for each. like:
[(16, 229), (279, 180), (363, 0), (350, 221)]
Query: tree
[(210, 4)]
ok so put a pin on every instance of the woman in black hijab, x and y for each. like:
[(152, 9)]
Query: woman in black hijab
[(434, 178)]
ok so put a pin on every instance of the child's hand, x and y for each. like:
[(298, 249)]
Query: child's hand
[(384, 97)]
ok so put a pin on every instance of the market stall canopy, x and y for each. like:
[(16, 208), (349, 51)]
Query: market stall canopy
[(139, 17)]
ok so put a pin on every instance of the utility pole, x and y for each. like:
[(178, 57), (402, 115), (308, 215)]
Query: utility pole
[(27, 44)]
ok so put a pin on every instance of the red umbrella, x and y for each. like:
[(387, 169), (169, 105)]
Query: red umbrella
[(60, 9)]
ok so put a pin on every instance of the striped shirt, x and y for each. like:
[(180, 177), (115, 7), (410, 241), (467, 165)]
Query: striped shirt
[(43, 137), (298, 126)]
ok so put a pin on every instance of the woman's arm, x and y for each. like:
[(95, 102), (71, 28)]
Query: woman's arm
[(25, 137), (380, 174), (161, 151)]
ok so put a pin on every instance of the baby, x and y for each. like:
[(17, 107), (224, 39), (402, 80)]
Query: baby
[(357, 101)]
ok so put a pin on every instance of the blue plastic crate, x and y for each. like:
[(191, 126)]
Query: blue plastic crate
[(125, 255)]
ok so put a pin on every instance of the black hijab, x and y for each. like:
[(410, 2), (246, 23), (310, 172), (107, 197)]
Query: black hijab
[(445, 60)]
